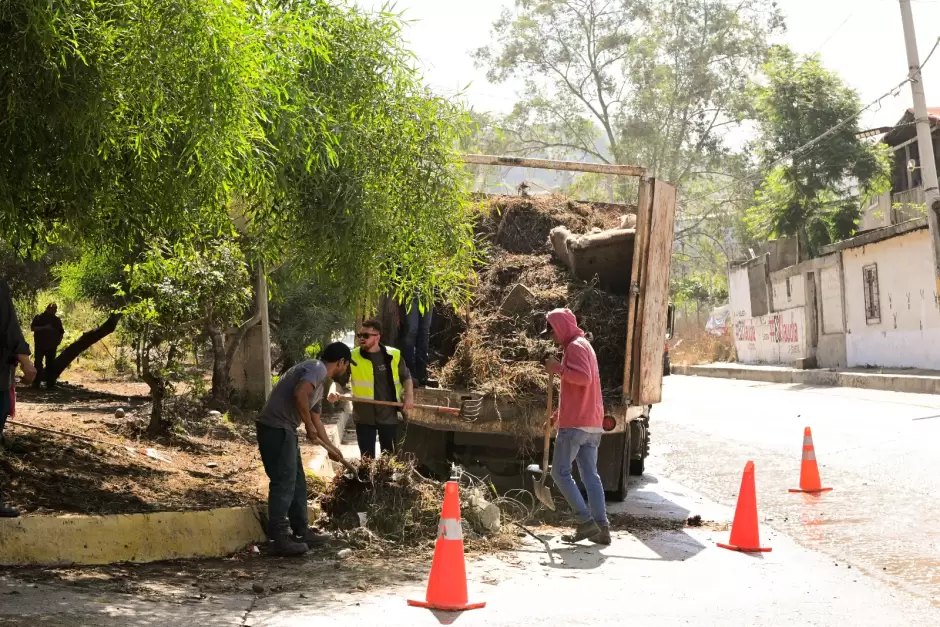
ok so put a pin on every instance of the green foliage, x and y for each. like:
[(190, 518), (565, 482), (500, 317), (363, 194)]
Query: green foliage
[(816, 194), (388, 209), (305, 316), (124, 123), (176, 290), (121, 118)]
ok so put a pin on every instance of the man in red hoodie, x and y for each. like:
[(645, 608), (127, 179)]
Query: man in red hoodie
[(579, 417)]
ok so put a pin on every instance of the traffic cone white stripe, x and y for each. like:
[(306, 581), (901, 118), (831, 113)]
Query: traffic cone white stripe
[(450, 529), (809, 456)]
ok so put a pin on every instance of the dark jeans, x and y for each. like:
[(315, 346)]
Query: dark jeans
[(4, 414), (365, 437), (287, 490), (416, 334), (44, 359)]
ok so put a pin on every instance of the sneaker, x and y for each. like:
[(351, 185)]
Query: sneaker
[(584, 531), (603, 537)]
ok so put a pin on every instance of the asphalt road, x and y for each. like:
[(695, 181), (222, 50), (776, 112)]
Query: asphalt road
[(878, 450), (864, 554)]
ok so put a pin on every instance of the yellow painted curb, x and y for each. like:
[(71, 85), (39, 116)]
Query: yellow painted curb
[(87, 540)]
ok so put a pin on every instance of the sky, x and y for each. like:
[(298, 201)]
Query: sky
[(860, 39)]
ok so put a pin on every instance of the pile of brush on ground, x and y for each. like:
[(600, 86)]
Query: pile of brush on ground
[(390, 504), (497, 350)]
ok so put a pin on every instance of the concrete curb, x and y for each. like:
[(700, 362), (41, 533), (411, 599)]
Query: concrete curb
[(88, 540), (912, 384)]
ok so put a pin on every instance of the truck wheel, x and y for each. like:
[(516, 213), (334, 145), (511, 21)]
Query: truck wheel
[(641, 434)]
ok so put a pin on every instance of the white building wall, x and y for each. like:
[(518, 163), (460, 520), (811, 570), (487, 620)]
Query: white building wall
[(831, 300), (877, 214), (796, 297), (739, 292), (908, 334), (773, 339)]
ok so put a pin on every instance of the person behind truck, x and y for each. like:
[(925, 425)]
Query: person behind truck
[(296, 399), (580, 419), (13, 351), (47, 335), (378, 373), (416, 319)]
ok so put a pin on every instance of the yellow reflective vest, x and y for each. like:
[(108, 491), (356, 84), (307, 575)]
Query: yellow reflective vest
[(362, 376)]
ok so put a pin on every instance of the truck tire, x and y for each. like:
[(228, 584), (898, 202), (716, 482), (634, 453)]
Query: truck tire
[(641, 433)]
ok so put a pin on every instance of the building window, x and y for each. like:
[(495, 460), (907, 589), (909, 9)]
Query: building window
[(789, 293), (872, 299)]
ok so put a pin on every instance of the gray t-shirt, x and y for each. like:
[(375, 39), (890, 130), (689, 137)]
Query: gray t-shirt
[(281, 411), (381, 414)]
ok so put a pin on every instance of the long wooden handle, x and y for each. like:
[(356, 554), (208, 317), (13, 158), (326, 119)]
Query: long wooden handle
[(548, 422), (445, 410)]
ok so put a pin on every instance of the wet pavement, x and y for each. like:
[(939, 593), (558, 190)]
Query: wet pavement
[(878, 450)]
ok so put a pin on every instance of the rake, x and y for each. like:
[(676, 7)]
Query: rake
[(470, 407)]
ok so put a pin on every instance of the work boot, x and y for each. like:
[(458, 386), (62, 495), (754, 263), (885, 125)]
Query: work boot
[(603, 537), (8, 512), (584, 531), (310, 537), (284, 543)]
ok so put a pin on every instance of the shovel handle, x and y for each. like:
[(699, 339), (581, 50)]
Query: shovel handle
[(444, 410), (548, 422)]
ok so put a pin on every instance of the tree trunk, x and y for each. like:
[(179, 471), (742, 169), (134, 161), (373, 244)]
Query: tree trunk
[(157, 425), (221, 367), (222, 357), (83, 343)]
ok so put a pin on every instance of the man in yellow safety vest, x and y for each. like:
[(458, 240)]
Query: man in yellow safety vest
[(378, 372)]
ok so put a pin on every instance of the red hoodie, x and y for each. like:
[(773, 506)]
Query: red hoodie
[(580, 403)]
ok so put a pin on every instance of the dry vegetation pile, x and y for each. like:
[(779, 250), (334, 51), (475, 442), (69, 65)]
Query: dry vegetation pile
[(498, 352)]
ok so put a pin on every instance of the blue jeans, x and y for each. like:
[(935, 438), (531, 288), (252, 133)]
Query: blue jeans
[(287, 490), (416, 335), (576, 445)]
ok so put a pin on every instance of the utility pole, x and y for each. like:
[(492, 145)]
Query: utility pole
[(928, 167)]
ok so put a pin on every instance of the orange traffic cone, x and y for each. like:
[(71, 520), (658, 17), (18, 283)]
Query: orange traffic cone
[(809, 471), (447, 586), (744, 534)]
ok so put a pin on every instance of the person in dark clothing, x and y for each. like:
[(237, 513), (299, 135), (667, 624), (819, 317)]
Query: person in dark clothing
[(415, 337), (379, 373), (13, 351), (297, 398), (47, 333)]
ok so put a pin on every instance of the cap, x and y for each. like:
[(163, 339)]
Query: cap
[(336, 351)]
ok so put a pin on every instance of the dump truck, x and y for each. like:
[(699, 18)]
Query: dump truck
[(503, 437)]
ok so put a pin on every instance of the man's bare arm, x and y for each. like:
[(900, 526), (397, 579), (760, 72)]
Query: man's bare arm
[(316, 433)]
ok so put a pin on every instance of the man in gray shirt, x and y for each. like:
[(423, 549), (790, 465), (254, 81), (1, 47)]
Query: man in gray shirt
[(296, 399)]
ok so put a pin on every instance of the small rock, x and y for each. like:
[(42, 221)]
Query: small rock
[(345, 554), (119, 412), (215, 415), (694, 521), (628, 221), (257, 588), (212, 465), (518, 300), (303, 596)]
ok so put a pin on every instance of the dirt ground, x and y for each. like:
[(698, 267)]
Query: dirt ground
[(213, 462)]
